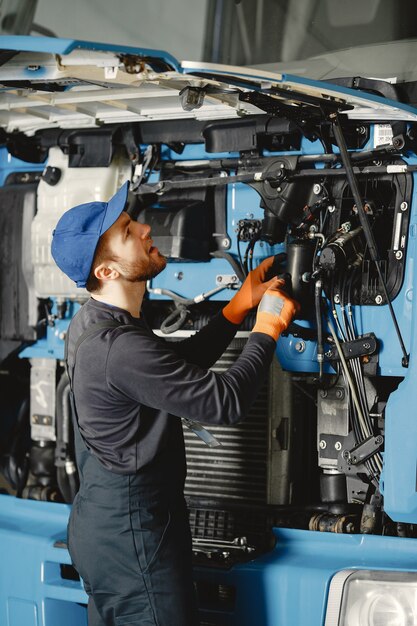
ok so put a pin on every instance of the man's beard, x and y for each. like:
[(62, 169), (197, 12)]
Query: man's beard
[(144, 270)]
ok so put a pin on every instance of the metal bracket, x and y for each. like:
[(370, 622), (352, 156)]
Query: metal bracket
[(360, 453), (364, 346)]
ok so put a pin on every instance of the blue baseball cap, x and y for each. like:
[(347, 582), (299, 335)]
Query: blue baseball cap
[(75, 238)]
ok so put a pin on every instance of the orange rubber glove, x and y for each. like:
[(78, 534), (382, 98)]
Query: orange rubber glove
[(251, 292), (275, 312)]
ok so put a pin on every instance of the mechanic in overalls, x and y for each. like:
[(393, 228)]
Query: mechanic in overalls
[(128, 533)]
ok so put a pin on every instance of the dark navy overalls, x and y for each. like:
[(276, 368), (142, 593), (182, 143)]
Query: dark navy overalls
[(129, 539)]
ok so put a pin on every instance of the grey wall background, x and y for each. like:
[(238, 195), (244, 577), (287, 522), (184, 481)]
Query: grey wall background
[(176, 26)]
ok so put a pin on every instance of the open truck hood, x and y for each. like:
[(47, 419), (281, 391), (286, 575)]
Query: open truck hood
[(46, 83)]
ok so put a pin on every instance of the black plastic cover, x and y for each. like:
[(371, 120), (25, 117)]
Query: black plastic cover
[(182, 232)]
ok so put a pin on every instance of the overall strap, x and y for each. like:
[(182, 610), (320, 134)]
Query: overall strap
[(91, 330)]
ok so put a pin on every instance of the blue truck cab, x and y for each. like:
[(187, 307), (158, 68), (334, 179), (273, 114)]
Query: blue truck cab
[(307, 512)]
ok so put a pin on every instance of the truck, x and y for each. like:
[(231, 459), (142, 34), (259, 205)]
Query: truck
[(304, 513)]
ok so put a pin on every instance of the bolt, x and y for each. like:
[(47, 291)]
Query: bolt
[(338, 445), (361, 130), (226, 242), (366, 346), (282, 165), (179, 275), (300, 346), (331, 208), (337, 298), (404, 206), (279, 189), (379, 439), (306, 277), (219, 279), (317, 189), (323, 444), (398, 255), (323, 393), (234, 278), (378, 299), (340, 394), (345, 454), (62, 335)]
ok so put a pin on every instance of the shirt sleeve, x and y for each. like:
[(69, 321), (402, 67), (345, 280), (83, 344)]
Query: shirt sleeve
[(208, 344), (151, 373)]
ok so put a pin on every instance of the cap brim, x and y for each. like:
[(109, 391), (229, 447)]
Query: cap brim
[(115, 206)]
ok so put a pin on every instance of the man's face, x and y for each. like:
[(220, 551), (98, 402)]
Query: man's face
[(131, 249)]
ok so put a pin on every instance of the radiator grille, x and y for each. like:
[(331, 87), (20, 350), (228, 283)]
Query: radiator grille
[(236, 471)]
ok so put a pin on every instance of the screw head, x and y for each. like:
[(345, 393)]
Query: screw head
[(337, 298), (179, 275), (316, 189), (300, 346), (340, 394), (331, 208), (398, 255), (322, 444), (404, 206), (226, 242), (338, 445), (378, 299)]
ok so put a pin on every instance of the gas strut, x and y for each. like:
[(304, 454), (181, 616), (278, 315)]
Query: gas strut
[(340, 139)]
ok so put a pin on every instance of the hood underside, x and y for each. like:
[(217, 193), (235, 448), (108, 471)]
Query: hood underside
[(46, 83)]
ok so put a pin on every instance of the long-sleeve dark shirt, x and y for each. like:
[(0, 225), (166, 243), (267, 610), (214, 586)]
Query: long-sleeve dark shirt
[(130, 387)]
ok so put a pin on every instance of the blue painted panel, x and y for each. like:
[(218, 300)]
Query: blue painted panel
[(289, 585), (21, 612), (190, 279), (9, 164), (54, 45), (32, 581)]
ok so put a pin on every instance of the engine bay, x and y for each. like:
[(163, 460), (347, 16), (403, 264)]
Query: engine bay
[(332, 197)]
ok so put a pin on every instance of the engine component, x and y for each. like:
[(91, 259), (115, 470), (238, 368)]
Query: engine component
[(325, 522), (300, 255), (333, 486), (181, 232), (346, 250)]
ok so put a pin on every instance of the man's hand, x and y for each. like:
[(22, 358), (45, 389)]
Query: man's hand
[(251, 292), (275, 312)]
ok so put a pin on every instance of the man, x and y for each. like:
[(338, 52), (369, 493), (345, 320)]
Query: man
[(128, 532)]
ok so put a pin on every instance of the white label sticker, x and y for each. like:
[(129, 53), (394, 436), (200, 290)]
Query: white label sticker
[(382, 135)]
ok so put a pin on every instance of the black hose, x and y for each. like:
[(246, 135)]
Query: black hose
[(238, 270), (67, 480)]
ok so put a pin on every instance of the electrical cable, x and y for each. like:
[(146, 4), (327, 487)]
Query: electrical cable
[(370, 240), (239, 252)]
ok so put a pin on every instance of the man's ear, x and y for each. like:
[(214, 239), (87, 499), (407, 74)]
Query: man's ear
[(104, 272)]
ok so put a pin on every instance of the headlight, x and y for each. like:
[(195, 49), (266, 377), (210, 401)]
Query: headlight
[(372, 598)]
